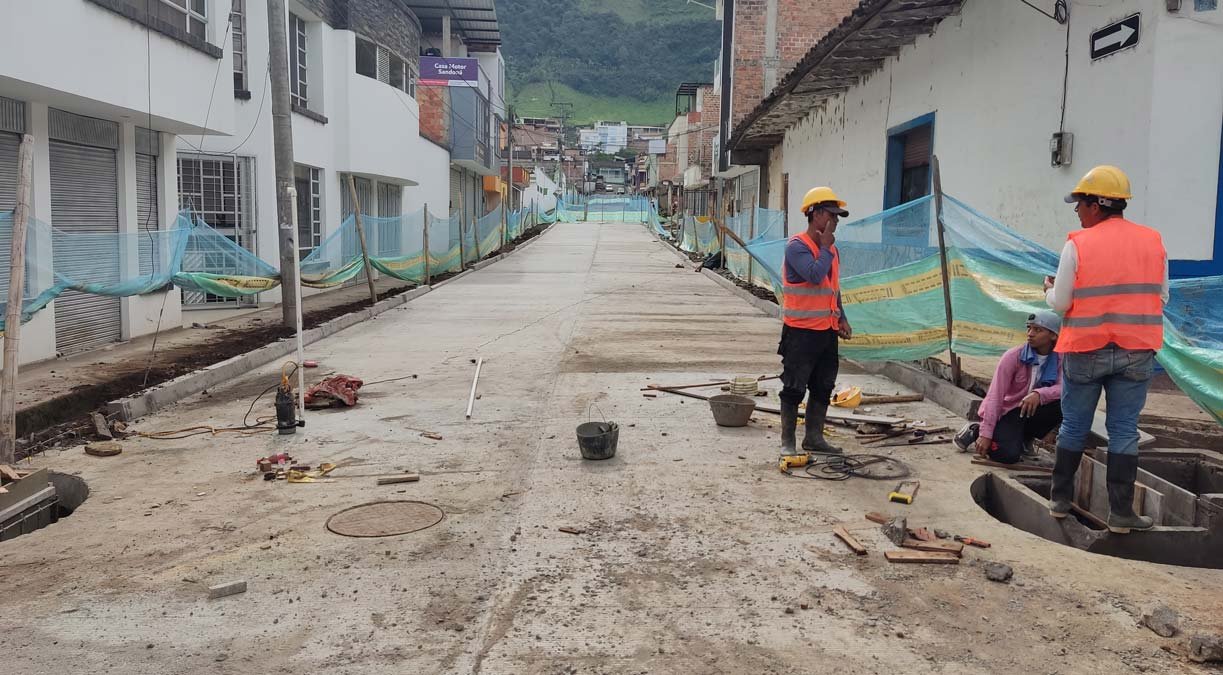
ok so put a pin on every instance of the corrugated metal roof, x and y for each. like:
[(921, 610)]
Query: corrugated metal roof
[(474, 20), (875, 31)]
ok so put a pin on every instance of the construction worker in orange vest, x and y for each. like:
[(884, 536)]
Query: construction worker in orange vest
[(813, 321), (1111, 285)]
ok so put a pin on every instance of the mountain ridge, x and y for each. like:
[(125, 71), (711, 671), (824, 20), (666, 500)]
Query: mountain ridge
[(615, 59)]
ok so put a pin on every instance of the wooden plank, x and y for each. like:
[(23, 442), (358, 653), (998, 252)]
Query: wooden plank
[(849, 540), (903, 398), (922, 557), (876, 517), (953, 547), (834, 413), (9, 472), (405, 478), (980, 461), (1082, 483), (1095, 520)]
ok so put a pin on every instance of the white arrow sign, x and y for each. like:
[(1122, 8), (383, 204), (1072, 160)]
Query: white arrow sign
[(1118, 38)]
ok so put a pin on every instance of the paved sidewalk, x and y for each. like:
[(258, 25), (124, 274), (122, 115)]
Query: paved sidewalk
[(696, 555)]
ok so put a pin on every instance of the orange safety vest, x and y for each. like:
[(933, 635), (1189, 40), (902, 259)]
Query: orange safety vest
[(1117, 289), (812, 306)]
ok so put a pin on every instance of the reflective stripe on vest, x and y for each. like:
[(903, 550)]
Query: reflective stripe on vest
[(1117, 289), (812, 306)]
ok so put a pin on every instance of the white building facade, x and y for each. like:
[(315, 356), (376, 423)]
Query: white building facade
[(985, 89), (104, 87), (139, 108)]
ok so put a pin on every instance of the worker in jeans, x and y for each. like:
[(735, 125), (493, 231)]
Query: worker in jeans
[(1111, 286), (813, 321), (1024, 399)]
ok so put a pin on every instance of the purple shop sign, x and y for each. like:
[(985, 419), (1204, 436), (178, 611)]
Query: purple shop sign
[(437, 71)]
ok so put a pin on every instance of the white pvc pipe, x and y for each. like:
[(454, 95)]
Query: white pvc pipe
[(471, 400), (297, 292)]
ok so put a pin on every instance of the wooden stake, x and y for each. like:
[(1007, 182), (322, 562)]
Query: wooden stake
[(751, 234), (12, 314), (471, 400), (369, 273), (942, 253), (425, 234)]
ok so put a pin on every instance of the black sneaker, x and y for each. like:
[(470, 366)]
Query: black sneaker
[(967, 436)]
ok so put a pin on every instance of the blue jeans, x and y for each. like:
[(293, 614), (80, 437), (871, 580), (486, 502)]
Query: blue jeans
[(1124, 375)]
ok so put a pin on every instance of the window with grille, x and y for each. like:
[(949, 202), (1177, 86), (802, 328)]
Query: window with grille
[(297, 61), (217, 189), (308, 181), (237, 20), (190, 15)]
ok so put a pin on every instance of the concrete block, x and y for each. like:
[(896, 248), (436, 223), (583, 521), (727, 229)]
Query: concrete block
[(222, 590)]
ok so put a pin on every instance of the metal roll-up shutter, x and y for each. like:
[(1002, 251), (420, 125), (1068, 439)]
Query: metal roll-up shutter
[(84, 201), (9, 145)]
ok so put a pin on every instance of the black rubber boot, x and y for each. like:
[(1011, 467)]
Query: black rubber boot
[(813, 440), (1061, 494), (789, 423), (1122, 472)]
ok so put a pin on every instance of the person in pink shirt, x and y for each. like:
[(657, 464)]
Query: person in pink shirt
[(1024, 399)]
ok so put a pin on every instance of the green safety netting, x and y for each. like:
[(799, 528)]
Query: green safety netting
[(699, 235), (757, 224), (605, 209), (194, 256), (893, 293), (59, 262)]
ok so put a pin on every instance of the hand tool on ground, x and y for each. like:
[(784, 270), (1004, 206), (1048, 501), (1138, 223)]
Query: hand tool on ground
[(787, 462), (905, 492), (972, 542)]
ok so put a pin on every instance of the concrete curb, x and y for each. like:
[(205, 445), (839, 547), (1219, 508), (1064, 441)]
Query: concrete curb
[(166, 393), (154, 398), (938, 390), (769, 308)]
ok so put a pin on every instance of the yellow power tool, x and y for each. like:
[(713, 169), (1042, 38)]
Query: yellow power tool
[(788, 462)]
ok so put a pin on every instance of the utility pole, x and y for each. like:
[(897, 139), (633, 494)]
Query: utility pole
[(282, 141), (509, 141), (12, 314)]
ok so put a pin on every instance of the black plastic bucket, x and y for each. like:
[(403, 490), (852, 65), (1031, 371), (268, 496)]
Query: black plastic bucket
[(597, 440)]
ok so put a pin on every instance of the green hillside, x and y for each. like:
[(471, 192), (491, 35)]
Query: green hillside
[(612, 59), (535, 100)]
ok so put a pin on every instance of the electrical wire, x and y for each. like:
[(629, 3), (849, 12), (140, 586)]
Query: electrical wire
[(247, 429), (836, 467)]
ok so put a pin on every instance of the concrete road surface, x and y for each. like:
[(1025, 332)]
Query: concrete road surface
[(693, 553)]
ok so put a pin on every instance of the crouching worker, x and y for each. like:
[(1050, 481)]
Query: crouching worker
[(1024, 399)]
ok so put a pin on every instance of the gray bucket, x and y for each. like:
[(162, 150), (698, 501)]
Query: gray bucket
[(597, 440), (731, 410)]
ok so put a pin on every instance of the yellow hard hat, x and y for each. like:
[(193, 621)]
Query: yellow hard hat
[(825, 197), (1104, 181)]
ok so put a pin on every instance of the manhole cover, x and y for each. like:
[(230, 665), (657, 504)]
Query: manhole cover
[(384, 519)]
